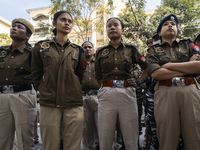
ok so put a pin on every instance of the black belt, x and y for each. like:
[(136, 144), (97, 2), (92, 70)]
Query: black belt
[(14, 88), (90, 92)]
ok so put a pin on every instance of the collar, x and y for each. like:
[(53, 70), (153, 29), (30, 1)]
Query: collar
[(65, 44), (164, 43), (20, 49), (109, 44)]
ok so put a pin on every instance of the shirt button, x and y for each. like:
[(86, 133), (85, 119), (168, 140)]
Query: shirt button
[(12, 56), (58, 105), (115, 51), (173, 56), (21, 68), (90, 78), (6, 79), (116, 68), (89, 71), (62, 50), (116, 77), (160, 58), (115, 58), (8, 66)]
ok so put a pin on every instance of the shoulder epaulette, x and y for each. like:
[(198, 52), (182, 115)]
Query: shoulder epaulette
[(100, 48), (184, 40), (4, 47), (75, 45), (130, 44), (48, 41)]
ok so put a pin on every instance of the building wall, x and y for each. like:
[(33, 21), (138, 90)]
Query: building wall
[(4, 26)]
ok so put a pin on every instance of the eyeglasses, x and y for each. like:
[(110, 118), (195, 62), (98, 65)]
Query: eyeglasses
[(87, 47)]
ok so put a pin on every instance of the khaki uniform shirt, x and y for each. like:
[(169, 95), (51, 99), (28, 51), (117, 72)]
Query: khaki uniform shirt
[(57, 73), (159, 55), (89, 82), (15, 67), (116, 64)]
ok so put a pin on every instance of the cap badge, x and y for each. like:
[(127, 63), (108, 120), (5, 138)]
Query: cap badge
[(21, 20)]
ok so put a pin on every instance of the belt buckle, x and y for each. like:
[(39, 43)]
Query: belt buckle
[(118, 83), (90, 92), (8, 89), (176, 81)]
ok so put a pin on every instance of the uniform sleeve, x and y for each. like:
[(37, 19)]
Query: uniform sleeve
[(79, 70), (98, 74), (152, 61), (138, 55), (191, 50), (36, 66)]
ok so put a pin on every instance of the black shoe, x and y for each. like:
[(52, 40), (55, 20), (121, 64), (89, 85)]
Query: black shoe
[(97, 148), (36, 142)]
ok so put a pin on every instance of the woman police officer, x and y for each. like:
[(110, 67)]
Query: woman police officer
[(56, 69), (17, 97), (117, 98), (177, 99)]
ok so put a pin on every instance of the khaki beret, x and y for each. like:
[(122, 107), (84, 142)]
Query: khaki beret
[(24, 22), (149, 41)]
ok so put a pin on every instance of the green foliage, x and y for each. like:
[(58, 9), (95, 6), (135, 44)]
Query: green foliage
[(46, 30), (187, 12), (5, 39), (136, 27)]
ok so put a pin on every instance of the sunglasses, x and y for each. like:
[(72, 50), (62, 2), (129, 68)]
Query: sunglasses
[(87, 47)]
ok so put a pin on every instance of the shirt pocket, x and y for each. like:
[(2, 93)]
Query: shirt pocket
[(75, 60), (163, 59), (184, 57), (105, 63), (47, 58), (22, 68), (2, 65), (127, 63)]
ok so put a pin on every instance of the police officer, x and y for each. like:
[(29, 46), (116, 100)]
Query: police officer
[(176, 100), (57, 74), (17, 97), (117, 98), (90, 87)]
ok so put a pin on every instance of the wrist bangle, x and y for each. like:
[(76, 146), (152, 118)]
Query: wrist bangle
[(138, 82)]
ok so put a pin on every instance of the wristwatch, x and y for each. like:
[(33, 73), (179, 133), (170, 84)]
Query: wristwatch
[(138, 82)]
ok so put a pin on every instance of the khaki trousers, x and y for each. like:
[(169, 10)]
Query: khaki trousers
[(90, 103), (50, 127), (17, 113), (177, 110), (119, 102)]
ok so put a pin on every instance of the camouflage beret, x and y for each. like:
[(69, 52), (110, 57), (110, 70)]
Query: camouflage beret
[(149, 41), (24, 22)]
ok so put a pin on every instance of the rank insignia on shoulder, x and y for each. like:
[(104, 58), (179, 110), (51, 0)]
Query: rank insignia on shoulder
[(159, 50), (3, 53), (105, 52), (142, 59), (45, 45), (196, 48)]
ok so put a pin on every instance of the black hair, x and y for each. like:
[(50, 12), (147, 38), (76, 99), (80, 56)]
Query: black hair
[(28, 31), (87, 42), (55, 17), (122, 24)]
